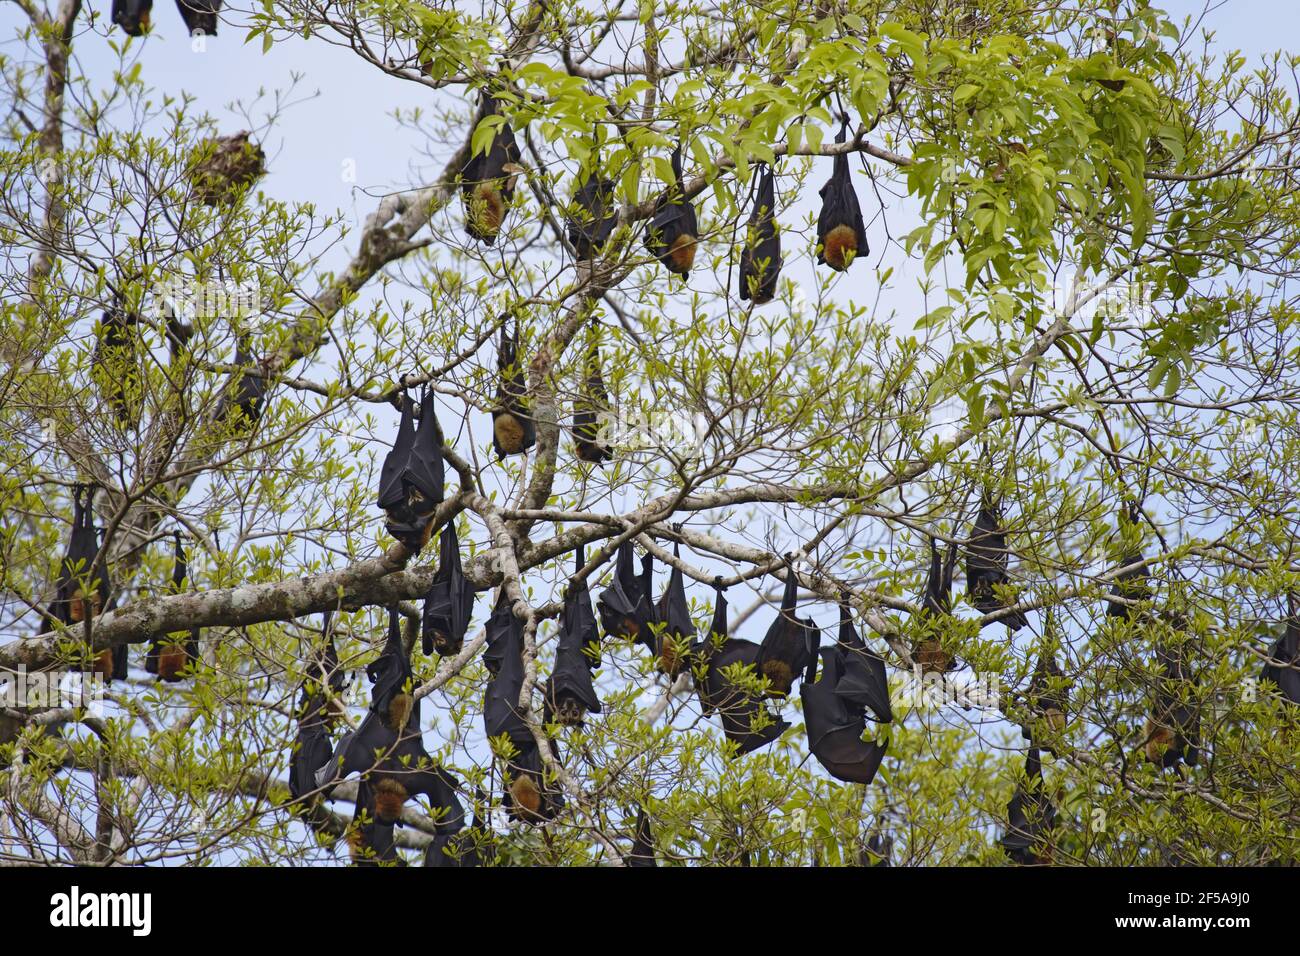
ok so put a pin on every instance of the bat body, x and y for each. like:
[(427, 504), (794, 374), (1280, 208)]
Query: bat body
[(570, 694), (862, 683), (115, 365), (312, 748), (412, 480), (624, 607), (760, 258), (936, 606), (789, 645), (387, 750), (593, 217), (242, 403), (82, 590), (370, 842), (1049, 704), (200, 16), (719, 694), (1172, 731), (513, 431), (1030, 817), (590, 407), (227, 168), (167, 657), (674, 230), (643, 843), (528, 797), (1131, 585), (853, 681), (449, 604), (132, 15), (678, 633), (488, 182), (986, 565), (841, 233), (1283, 665)]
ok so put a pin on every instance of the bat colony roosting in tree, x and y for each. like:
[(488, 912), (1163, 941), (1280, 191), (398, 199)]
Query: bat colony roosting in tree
[(843, 685)]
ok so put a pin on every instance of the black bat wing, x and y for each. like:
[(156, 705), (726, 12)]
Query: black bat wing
[(390, 673), (760, 257), (392, 493), (592, 222), (835, 728), (1283, 665), (424, 468), (738, 710), (312, 750), (359, 751), (643, 843), (449, 603)]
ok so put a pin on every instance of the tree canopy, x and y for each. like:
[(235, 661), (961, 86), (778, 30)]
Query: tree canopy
[(942, 343)]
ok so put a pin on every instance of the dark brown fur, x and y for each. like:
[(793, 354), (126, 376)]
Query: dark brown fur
[(509, 433), (399, 710), (527, 798), (390, 797), (779, 675), (932, 657), (103, 665), (840, 245), (171, 661), (681, 256), (488, 208), (1159, 739)]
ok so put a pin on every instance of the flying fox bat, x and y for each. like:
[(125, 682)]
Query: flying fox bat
[(1283, 665), (760, 258), (1129, 585), (200, 16), (841, 234), (570, 693), (246, 394), (449, 603), (488, 181), (528, 796), (392, 681), (643, 843), (167, 657), (312, 748), (1172, 732), (678, 634), (370, 842), (863, 683), (738, 709), (132, 15), (789, 645), (589, 410), (115, 363), (835, 718), (82, 589), (986, 565), (593, 216), (936, 604), (625, 607), (674, 232), (412, 480), (513, 431), (1030, 818), (1048, 703)]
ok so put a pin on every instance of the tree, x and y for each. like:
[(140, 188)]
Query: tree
[(1075, 312)]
